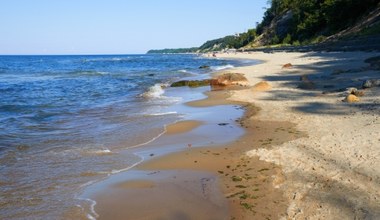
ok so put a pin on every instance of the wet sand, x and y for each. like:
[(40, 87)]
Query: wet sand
[(161, 194), (182, 127), (217, 182)]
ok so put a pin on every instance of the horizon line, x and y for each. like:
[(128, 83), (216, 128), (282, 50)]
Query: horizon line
[(79, 54)]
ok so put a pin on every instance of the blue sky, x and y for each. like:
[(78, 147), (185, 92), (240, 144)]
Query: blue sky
[(119, 26)]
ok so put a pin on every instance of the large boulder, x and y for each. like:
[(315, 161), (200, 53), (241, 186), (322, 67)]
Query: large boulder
[(191, 83), (228, 79)]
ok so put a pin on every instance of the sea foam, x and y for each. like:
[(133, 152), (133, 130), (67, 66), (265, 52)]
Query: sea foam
[(155, 91), (218, 68)]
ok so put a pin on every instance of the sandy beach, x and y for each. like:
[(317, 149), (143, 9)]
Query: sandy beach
[(332, 172), (305, 153)]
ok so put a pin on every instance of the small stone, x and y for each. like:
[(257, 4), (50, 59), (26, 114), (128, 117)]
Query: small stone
[(359, 93), (223, 124), (287, 66), (352, 90), (262, 86), (306, 83), (351, 98), (355, 91), (204, 67)]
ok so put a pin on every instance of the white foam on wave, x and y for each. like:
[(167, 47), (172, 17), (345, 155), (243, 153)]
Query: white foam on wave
[(162, 113), (102, 152), (107, 59), (218, 68), (188, 72), (91, 151), (155, 91), (92, 215)]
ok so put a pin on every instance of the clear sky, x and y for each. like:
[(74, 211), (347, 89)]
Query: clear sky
[(119, 26)]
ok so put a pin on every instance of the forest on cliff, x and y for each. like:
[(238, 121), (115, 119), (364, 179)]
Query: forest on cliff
[(301, 22)]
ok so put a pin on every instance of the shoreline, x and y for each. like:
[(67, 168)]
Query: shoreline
[(297, 165), (220, 176)]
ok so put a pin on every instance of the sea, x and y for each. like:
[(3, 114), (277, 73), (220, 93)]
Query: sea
[(64, 120)]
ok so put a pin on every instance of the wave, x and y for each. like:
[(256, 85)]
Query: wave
[(89, 73), (99, 152), (162, 113), (183, 71), (109, 59), (155, 91), (92, 215), (218, 68)]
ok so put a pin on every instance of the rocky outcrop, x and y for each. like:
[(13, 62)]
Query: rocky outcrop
[(191, 83), (282, 25), (228, 79), (278, 27), (369, 83)]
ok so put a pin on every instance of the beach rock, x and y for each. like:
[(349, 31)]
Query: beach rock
[(351, 90), (359, 93), (262, 86), (228, 79), (351, 98), (191, 83), (355, 91), (369, 83), (306, 83), (204, 67), (287, 66), (223, 124)]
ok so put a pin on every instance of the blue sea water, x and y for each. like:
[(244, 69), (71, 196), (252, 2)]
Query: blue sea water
[(62, 118)]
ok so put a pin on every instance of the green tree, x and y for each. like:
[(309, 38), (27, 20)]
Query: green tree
[(287, 39)]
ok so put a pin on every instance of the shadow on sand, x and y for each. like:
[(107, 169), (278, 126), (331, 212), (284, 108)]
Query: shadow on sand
[(329, 77)]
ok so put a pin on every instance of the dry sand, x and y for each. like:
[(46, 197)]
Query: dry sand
[(333, 172)]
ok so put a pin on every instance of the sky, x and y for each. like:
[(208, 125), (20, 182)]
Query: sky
[(119, 26)]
